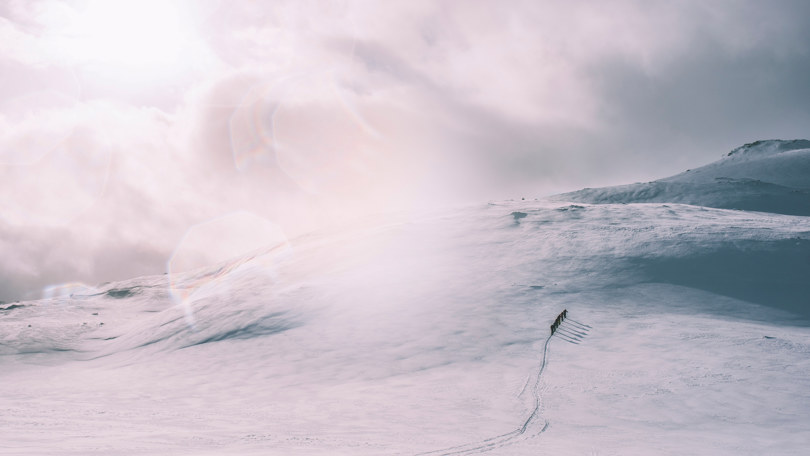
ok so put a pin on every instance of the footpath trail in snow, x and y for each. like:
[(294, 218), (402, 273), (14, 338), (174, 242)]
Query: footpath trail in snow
[(532, 426)]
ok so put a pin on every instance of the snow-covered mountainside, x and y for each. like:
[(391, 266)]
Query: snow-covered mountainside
[(767, 176), (429, 335)]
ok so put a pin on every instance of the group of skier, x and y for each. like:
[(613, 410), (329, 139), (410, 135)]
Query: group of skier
[(558, 321)]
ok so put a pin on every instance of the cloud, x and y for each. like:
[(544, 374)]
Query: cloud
[(735, 77), (305, 113)]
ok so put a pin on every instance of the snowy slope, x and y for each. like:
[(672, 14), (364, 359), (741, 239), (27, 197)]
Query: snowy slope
[(767, 176), (429, 334)]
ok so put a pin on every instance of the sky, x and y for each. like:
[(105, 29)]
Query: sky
[(137, 135)]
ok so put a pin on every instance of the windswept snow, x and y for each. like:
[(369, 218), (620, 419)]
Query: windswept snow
[(688, 334), (766, 176)]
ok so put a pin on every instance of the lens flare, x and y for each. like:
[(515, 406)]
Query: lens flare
[(322, 142), (63, 291), (310, 127), (211, 252), (251, 127)]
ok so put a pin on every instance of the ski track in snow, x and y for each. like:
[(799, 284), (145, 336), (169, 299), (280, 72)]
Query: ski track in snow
[(529, 428)]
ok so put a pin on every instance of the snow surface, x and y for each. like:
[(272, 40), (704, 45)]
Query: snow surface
[(768, 176), (406, 335)]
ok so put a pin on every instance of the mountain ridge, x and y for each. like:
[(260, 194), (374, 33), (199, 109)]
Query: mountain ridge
[(763, 176)]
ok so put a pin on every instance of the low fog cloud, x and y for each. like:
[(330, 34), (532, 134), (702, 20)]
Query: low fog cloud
[(310, 113)]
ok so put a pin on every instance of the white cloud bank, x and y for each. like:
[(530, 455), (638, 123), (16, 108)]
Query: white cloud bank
[(306, 113)]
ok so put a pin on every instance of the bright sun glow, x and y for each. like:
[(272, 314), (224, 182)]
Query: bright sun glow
[(144, 35)]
